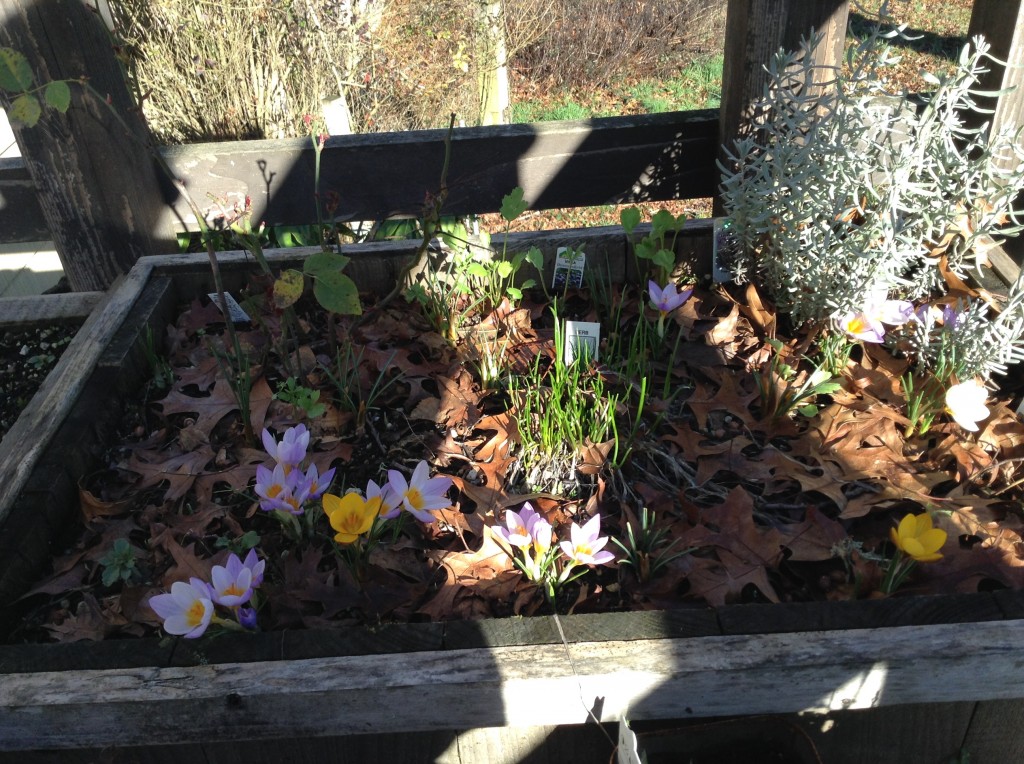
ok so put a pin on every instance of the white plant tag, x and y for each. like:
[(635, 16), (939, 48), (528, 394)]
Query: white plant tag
[(238, 316), (629, 747), (723, 247), (569, 265), (581, 340)]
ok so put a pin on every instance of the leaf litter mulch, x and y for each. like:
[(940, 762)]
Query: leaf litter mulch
[(791, 509)]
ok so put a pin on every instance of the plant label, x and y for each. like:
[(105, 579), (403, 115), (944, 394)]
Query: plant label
[(238, 316), (569, 265), (629, 746), (581, 340), (724, 247)]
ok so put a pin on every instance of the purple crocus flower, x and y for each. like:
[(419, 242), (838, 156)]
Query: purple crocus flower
[(315, 484), (421, 493), (951, 317), (529, 531), (861, 326), (257, 566), (291, 450), (247, 617), (186, 610), (586, 544), (867, 325), (390, 504), (665, 300), (274, 487), (231, 583)]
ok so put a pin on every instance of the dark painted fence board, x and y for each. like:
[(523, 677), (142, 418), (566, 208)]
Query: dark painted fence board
[(377, 175)]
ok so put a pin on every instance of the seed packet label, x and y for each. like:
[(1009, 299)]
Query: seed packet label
[(238, 316), (724, 247), (581, 340), (569, 265)]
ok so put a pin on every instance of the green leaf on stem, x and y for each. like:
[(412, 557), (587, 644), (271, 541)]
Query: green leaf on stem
[(25, 110), (337, 293), (513, 205), (324, 262), (15, 72), (630, 218), (288, 288), (58, 95)]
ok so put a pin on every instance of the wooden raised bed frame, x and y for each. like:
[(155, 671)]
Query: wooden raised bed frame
[(421, 678)]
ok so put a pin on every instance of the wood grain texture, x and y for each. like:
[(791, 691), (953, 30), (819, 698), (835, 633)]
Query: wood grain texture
[(49, 308), (96, 180), (378, 175), (755, 30), (31, 433), (644, 679), (995, 733), (1001, 23)]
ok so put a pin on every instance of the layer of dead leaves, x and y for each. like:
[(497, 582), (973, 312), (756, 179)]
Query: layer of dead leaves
[(790, 509)]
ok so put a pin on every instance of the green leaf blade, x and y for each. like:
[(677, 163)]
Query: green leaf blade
[(58, 95), (337, 293), (15, 72), (25, 110)]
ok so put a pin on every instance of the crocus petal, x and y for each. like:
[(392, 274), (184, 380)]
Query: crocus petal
[(895, 312), (966, 403), (256, 565)]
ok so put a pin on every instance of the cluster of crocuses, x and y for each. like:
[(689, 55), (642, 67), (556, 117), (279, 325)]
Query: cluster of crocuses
[(354, 515), (531, 536), (287, 487), (190, 608), (665, 300), (965, 401)]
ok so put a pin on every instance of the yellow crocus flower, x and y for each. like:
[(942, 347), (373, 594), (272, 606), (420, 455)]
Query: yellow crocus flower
[(350, 515), (916, 538)]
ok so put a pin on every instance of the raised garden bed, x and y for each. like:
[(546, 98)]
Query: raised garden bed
[(693, 662), (49, 345)]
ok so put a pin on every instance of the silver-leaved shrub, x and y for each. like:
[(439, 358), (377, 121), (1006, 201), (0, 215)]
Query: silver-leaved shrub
[(862, 191)]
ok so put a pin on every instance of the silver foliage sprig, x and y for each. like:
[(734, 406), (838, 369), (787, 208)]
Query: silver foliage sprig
[(861, 190)]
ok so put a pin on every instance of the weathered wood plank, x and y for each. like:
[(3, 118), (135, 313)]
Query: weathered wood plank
[(558, 164), (755, 30), (908, 734), (995, 732), (29, 436), (49, 308), (644, 679), (377, 175), (1001, 23), (97, 180)]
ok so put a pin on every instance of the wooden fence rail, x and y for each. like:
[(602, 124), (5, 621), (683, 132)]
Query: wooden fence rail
[(98, 224)]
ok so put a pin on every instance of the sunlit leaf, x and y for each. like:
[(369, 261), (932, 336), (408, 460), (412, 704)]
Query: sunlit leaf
[(288, 288)]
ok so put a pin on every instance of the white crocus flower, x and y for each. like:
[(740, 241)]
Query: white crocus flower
[(966, 403)]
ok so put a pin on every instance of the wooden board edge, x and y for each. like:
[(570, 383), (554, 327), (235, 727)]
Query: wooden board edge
[(641, 679)]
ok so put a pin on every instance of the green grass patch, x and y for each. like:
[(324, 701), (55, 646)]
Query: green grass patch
[(697, 86)]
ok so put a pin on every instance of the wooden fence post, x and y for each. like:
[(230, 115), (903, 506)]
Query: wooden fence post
[(1001, 23), (98, 185), (754, 31)]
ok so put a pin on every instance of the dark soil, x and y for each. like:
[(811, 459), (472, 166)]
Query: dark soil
[(26, 357)]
